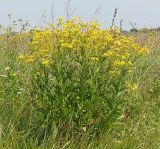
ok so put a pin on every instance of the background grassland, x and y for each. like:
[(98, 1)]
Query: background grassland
[(69, 121)]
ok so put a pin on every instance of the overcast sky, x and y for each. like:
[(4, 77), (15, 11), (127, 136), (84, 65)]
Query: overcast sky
[(145, 13)]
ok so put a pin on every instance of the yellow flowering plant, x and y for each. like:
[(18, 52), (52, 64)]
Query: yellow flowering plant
[(78, 71)]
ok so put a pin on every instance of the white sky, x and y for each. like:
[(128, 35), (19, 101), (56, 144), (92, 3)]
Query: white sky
[(145, 13)]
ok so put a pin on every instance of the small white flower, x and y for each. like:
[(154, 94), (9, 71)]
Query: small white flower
[(7, 68)]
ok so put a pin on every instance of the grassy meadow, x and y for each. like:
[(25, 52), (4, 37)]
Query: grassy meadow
[(76, 85)]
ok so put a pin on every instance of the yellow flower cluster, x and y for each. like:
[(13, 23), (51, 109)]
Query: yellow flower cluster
[(131, 86), (75, 35)]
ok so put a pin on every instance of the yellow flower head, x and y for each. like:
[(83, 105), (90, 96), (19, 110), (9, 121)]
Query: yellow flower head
[(45, 62)]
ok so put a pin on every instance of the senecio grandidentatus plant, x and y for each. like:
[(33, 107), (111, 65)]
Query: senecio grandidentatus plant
[(79, 73)]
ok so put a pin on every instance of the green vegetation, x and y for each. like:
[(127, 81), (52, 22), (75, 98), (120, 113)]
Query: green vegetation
[(75, 85)]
